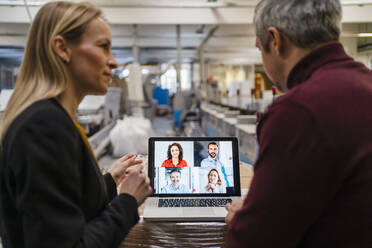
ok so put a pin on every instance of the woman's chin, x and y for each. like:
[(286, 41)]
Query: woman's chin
[(102, 91)]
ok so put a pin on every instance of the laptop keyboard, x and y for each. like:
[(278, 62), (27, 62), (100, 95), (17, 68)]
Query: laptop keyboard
[(194, 202)]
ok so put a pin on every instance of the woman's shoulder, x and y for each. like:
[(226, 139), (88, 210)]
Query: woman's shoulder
[(45, 110), (182, 163), (221, 188), (205, 189), (43, 116), (166, 163)]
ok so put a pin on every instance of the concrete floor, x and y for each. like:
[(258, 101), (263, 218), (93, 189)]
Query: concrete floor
[(163, 126)]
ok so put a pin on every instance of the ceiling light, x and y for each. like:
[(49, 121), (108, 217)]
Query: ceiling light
[(365, 35)]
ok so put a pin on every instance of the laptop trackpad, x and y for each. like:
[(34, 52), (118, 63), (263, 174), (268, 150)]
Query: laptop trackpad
[(198, 212)]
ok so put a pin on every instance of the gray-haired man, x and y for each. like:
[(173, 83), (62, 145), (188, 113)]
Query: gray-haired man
[(313, 177)]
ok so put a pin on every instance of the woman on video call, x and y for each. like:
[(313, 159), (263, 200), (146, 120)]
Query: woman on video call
[(214, 183), (175, 156)]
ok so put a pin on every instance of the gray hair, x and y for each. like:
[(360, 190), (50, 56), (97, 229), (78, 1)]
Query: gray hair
[(306, 23)]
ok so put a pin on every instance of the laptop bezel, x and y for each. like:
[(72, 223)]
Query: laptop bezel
[(236, 168)]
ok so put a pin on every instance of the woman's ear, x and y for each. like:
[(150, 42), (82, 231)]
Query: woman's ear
[(61, 48)]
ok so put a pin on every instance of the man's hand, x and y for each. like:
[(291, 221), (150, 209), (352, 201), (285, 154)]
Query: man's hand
[(121, 165), (232, 208)]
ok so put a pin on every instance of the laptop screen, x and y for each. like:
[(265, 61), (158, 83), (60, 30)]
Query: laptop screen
[(194, 166)]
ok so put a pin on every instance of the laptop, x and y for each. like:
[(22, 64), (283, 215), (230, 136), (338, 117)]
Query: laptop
[(192, 178)]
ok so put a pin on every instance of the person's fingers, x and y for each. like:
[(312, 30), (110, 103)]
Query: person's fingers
[(137, 168), (126, 157), (138, 161), (127, 167), (228, 206), (228, 218), (149, 191), (141, 178), (130, 163)]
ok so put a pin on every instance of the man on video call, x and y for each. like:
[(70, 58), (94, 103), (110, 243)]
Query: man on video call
[(175, 187), (212, 161), (312, 184)]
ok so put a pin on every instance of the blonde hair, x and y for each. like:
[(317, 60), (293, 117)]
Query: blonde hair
[(43, 73)]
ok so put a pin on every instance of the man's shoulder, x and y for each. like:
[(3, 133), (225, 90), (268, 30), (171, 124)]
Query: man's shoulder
[(184, 188), (326, 85), (165, 188), (205, 160), (219, 162)]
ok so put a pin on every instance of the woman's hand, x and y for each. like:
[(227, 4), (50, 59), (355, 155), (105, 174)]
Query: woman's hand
[(121, 165), (136, 184), (210, 186)]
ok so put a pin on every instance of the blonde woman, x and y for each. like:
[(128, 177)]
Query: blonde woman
[(52, 192)]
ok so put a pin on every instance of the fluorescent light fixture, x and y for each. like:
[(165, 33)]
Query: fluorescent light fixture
[(356, 35), (145, 71), (356, 2), (365, 35)]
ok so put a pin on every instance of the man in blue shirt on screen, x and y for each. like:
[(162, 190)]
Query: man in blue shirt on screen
[(212, 161), (175, 187)]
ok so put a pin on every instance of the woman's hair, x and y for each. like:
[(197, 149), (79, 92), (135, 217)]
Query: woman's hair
[(218, 174), (180, 156), (305, 23), (43, 73)]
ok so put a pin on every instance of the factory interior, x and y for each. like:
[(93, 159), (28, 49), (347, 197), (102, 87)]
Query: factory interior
[(187, 68)]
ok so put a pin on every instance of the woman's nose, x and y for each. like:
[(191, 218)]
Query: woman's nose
[(112, 62)]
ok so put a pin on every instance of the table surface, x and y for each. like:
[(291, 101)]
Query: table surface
[(183, 234)]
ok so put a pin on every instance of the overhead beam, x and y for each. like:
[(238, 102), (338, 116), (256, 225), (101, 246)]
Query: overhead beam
[(152, 4), (356, 2), (357, 13), (18, 14), (172, 15), (12, 40)]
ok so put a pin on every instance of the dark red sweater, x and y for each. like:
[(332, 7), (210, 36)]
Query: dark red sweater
[(313, 177)]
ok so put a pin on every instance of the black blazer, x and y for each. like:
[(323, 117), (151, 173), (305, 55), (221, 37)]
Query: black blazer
[(52, 193)]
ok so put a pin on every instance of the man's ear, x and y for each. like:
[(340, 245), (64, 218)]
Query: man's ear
[(276, 40), (61, 48)]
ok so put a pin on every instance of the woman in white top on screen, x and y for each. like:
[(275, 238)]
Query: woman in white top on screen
[(214, 183)]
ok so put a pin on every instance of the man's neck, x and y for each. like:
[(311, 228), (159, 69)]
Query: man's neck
[(295, 55)]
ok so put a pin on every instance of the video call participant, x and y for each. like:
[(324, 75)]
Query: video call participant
[(212, 161), (175, 187), (175, 156), (214, 183)]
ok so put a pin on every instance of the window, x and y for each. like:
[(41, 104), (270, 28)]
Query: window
[(169, 79)]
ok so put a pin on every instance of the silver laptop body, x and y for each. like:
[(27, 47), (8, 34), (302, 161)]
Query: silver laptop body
[(192, 200)]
